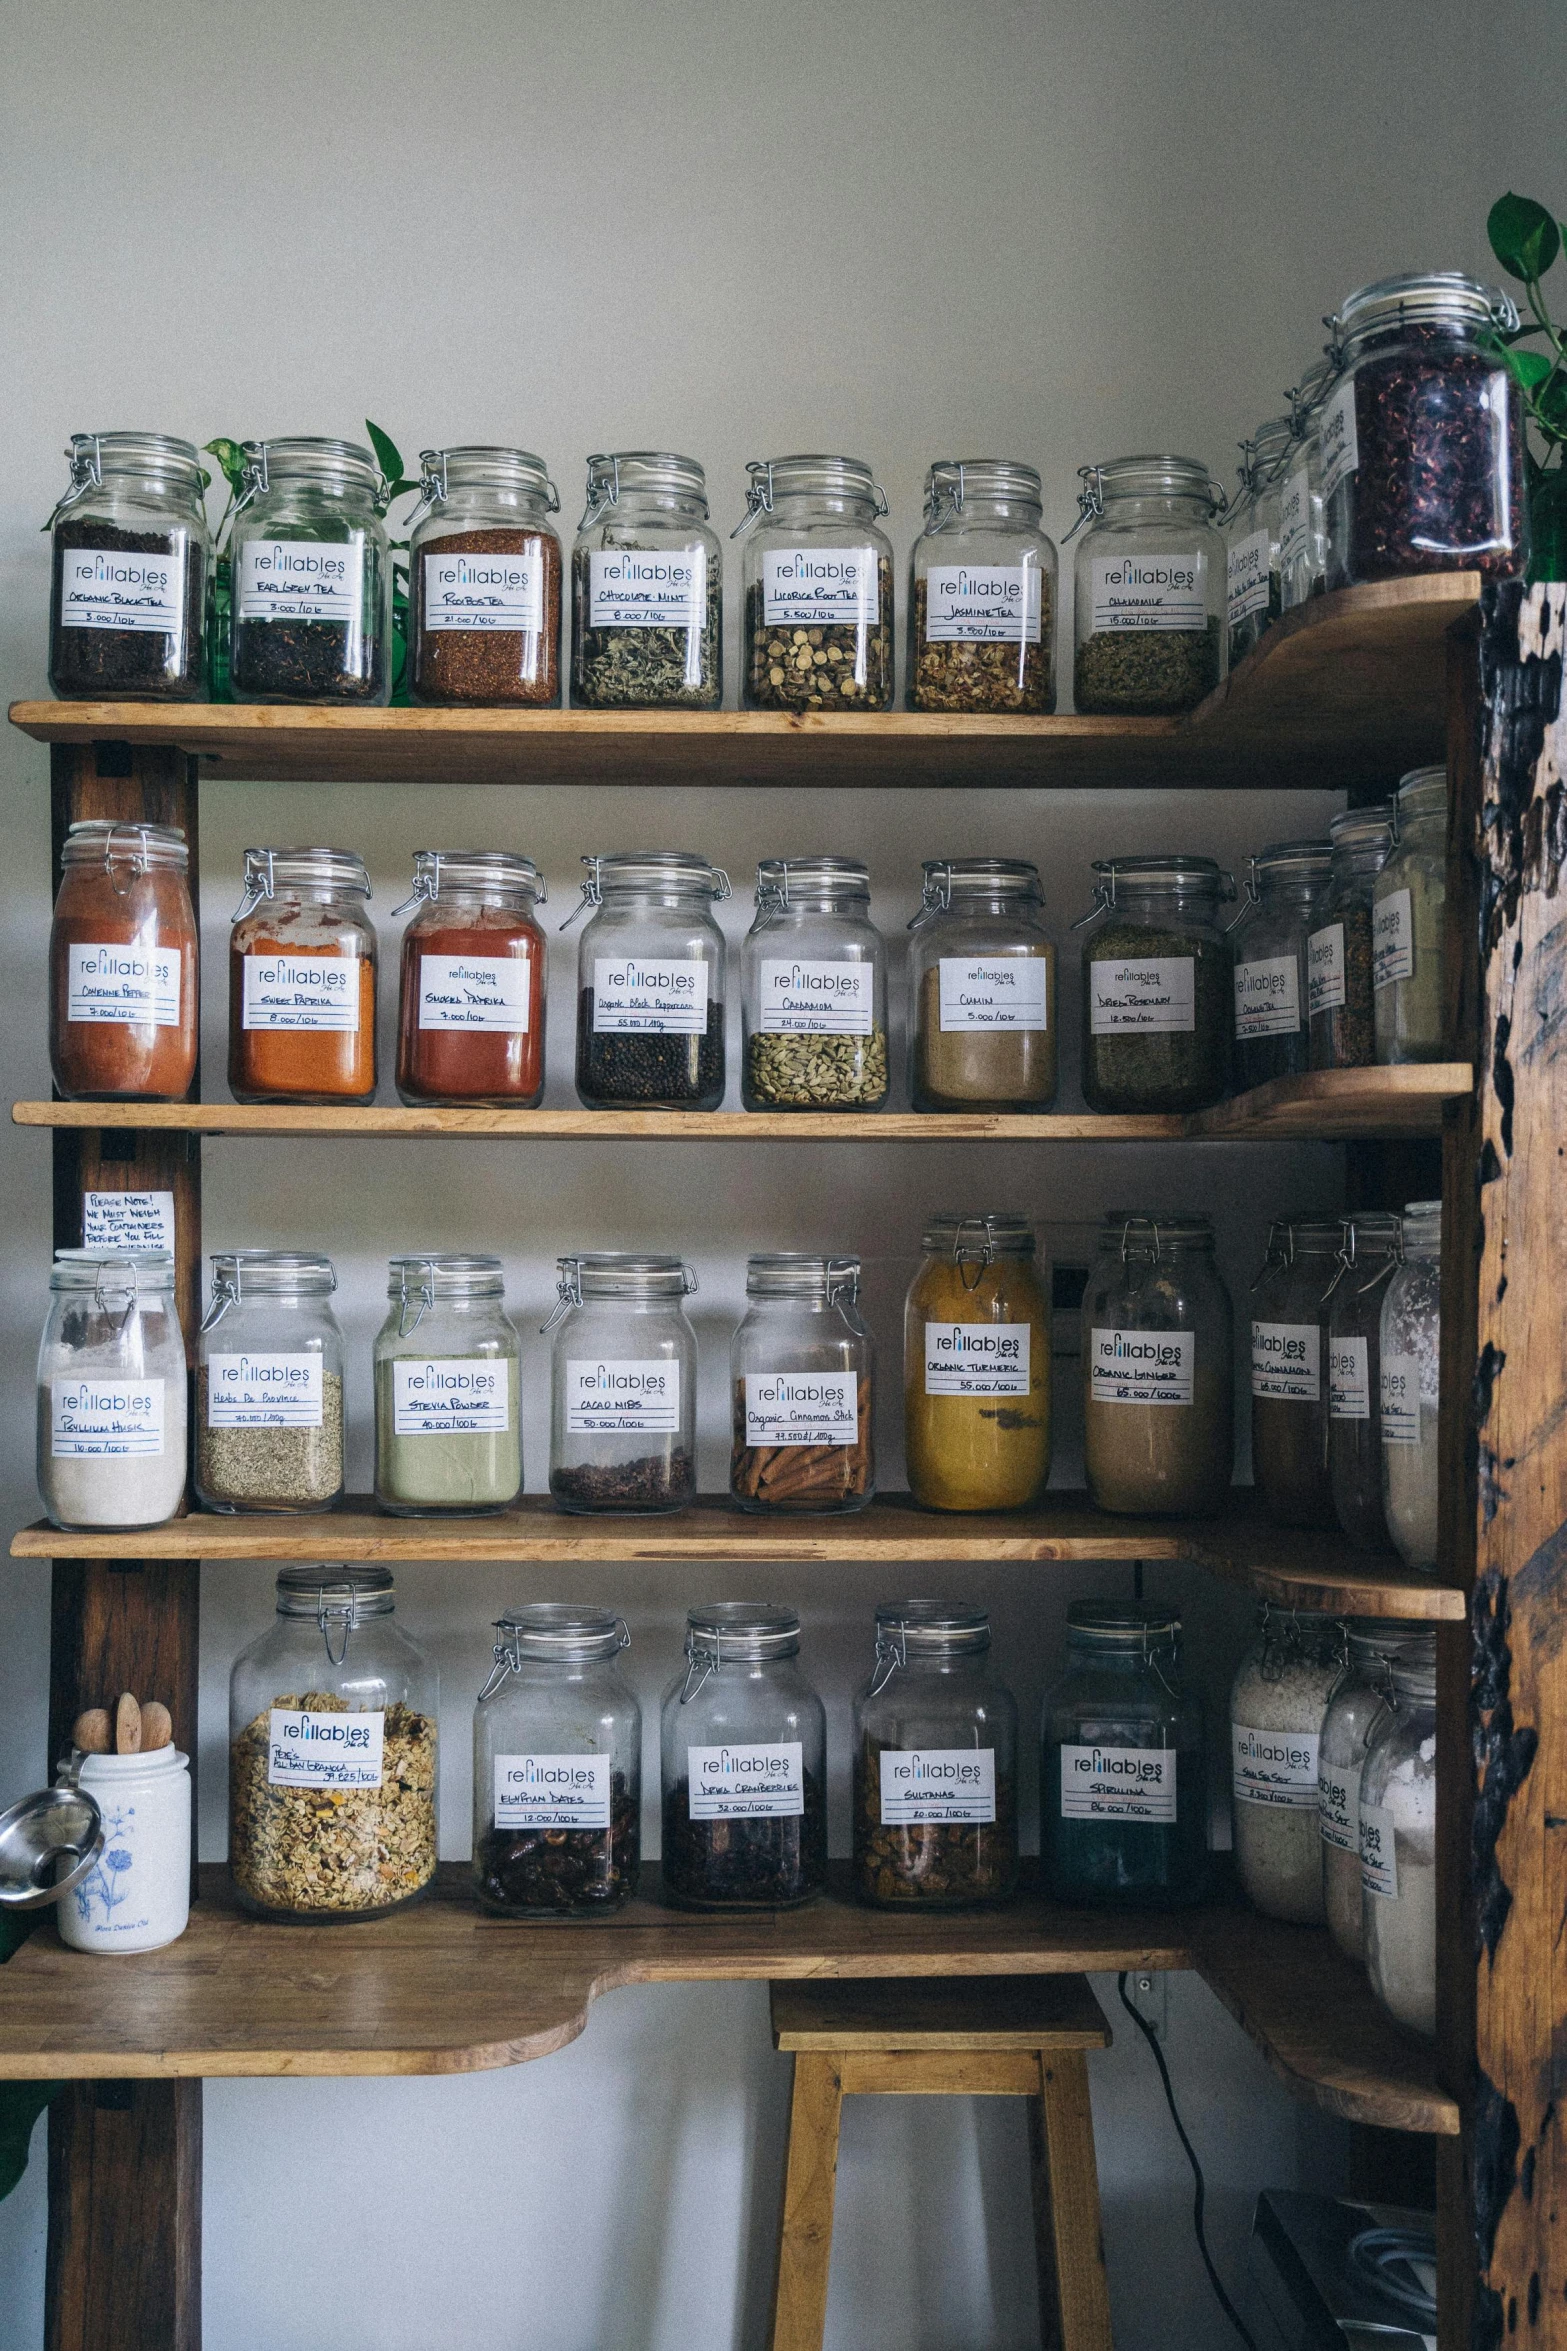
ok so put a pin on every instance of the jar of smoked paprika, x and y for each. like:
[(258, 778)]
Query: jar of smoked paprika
[(471, 1019), (123, 965), (302, 965)]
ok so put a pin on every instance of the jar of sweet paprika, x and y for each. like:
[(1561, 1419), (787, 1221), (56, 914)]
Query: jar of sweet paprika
[(302, 964), (123, 964), (471, 1021)]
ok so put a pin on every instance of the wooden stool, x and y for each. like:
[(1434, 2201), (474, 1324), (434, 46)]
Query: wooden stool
[(1017, 2036)]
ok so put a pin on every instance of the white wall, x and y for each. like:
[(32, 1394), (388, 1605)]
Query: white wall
[(903, 230)]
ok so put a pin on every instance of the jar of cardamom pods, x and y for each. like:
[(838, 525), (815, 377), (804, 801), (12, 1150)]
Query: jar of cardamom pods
[(1150, 583), (1158, 986), (813, 975), (1158, 1368)]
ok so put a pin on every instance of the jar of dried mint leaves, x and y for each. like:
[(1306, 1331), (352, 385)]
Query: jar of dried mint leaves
[(484, 579), (935, 1764), (332, 1753), (1150, 585), (818, 587), (650, 982), (622, 1384), (983, 974), (647, 588), (1284, 886), (312, 576), (982, 592), (802, 1369), (132, 554), (1340, 1019), (269, 1384), (1158, 986), (976, 1367), (1254, 592), (814, 989)]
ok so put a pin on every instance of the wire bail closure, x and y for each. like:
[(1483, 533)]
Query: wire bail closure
[(422, 1297), (338, 1613)]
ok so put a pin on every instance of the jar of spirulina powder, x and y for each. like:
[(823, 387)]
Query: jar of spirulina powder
[(1158, 1368), (1157, 985), (1150, 587), (983, 973), (1277, 1704)]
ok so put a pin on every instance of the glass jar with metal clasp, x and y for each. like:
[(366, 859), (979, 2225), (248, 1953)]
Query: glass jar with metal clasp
[(1150, 583), (269, 1384), (650, 985), (1361, 1692), (311, 575), (448, 1426), (983, 603), (132, 559), (1289, 1393), (622, 1384), (470, 1022), (802, 1365), (813, 974), (1302, 531), (1158, 990), (484, 580), (1368, 1257), (647, 587), (1251, 539), (818, 587), (982, 972), (1284, 888)]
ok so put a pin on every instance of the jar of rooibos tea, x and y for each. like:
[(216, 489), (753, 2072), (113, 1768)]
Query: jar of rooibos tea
[(128, 611), (1150, 587), (818, 587), (484, 571), (744, 1765), (312, 578)]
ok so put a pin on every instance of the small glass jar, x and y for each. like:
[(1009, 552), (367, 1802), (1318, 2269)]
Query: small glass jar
[(1283, 891), (1340, 1021), (1158, 986), (470, 1024), (132, 558), (1398, 1845), (302, 971), (1422, 433), (935, 1764), (813, 975), (333, 1715), (1255, 595), (1360, 1695), (1289, 1395), (1303, 542), (312, 578), (484, 580), (557, 1767), (1150, 583), (1158, 1369), (976, 1367), (622, 1385), (1368, 1257), (1123, 1803), (647, 588), (650, 982), (111, 1391), (1277, 1703), (448, 1429), (803, 1376), (744, 1765), (124, 965), (818, 587), (983, 592), (1408, 924), (269, 1384), (1411, 1334), (982, 971)]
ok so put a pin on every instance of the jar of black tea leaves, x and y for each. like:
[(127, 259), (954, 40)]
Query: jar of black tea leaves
[(312, 580), (128, 606), (744, 1757), (1157, 985), (647, 588), (650, 982), (1151, 584)]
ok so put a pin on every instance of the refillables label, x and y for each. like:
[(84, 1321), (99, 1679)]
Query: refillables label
[(977, 1358)]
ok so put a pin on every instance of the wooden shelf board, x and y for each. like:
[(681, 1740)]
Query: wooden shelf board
[(1348, 689)]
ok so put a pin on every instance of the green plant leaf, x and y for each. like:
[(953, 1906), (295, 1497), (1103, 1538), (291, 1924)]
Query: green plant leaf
[(231, 462), (387, 454), (1524, 237), (1550, 409), (1528, 368)]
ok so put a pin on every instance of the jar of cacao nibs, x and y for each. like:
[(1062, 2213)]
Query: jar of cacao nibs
[(1303, 544), (1150, 585), (1409, 922), (935, 1764), (818, 587), (802, 1371), (1368, 1258), (1158, 988), (132, 553), (647, 588), (1422, 434), (982, 967), (484, 575), (982, 592), (1289, 1389), (744, 1765), (650, 986), (1254, 596), (623, 1384), (1268, 939), (813, 973), (312, 578), (557, 1767), (1340, 1022)]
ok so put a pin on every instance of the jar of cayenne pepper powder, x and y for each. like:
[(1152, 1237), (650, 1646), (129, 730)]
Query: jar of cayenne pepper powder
[(123, 965), (484, 580), (302, 964), (470, 1025)]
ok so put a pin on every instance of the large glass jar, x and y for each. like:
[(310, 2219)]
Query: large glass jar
[(623, 1384), (814, 989), (470, 1024), (650, 982), (312, 579), (1340, 1021), (1408, 922), (1277, 1703), (935, 1764), (557, 1767), (983, 979), (1368, 1258), (982, 604), (1398, 1845), (333, 1715), (1302, 527), (302, 970), (448, 1428), (1354, 1710), (124, 965), (803, 1374), (1123, 1797), (1255, 595), (1150, 584), (647, 588), (1411, 1331), (976, 1367), (1422, 434), (484, 580), (1158, 987), (1284, 889), (111, 1391), (269, 1384), (1158, 1369), (744, 1765), (1289, 1394), (132, 555), (818, 587)]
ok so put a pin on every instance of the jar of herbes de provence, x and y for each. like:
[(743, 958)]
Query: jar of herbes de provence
[(983, 592), (312, 575), (1150, 585), (818, 587), (814, 989), (647, 577)]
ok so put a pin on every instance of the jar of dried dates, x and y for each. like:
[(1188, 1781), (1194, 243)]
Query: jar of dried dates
[(484, 573), (647, 588), (802, 1369), (623, 1384), (935, 1764), (128, 607), (1150, 587), (814, 989), (982, 599), (312, 576), (818, 587), (124, 965)]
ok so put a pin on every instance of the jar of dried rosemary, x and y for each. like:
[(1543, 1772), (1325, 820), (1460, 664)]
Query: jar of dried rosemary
[(814, 989), (818, 587), (983, 592), (1150, 586), (647, 588), (269, 1384), (1158, 986)]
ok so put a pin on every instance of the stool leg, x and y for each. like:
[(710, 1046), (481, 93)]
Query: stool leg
[(805, 2230), (1074, 2307)]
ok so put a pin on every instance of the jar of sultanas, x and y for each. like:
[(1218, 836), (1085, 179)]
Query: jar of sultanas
[(983, 592), (818, 587)]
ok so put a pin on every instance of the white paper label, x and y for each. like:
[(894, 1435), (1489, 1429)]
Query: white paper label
[(1338, 1809), (1392, 939), (1295, 519), (637, 588), (300, 992), (1349, 1379), (325, 1750), (802, 1408), (1118, 1783), (552, 1791), (977, 1358), (1267, 997), (624, 1395), (814, 587), (1247, 570), (812, 999), (1158, 994), (1001, 992), (666, 999), (474, 992), (1325, 969), (986, 604), (1286, 1362), (1337, 439), (1378, 1852), (301, 579), (111, 588), (103, 1416), (484, 591), (1400, 1400), (922, 1787), (135, 984), (1149, 592), (1142, 1367), (263, 1391), (1274, 1767), (763, 1781), (450, 1396), (128, 1220)]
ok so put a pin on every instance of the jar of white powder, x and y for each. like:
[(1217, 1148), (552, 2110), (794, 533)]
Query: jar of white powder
[(1355, 1711), (111, 1391), (1398, 1845), (1411, 1353), (1276, 1708)]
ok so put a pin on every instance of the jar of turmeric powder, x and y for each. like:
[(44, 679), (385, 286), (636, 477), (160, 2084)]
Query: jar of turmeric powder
[(976, 1367), (302, 965)]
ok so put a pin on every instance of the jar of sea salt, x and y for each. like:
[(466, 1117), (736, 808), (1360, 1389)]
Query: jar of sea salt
[(1398, 1844), (1277, 1704), (1354, 1714), (1411, 1332)]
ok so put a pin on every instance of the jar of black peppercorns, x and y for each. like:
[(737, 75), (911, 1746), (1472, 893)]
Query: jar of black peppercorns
[(312, 579), (650, 982), (127, 614)]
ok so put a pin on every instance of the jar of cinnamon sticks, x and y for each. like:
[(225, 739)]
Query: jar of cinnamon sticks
[(803, 1367)]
